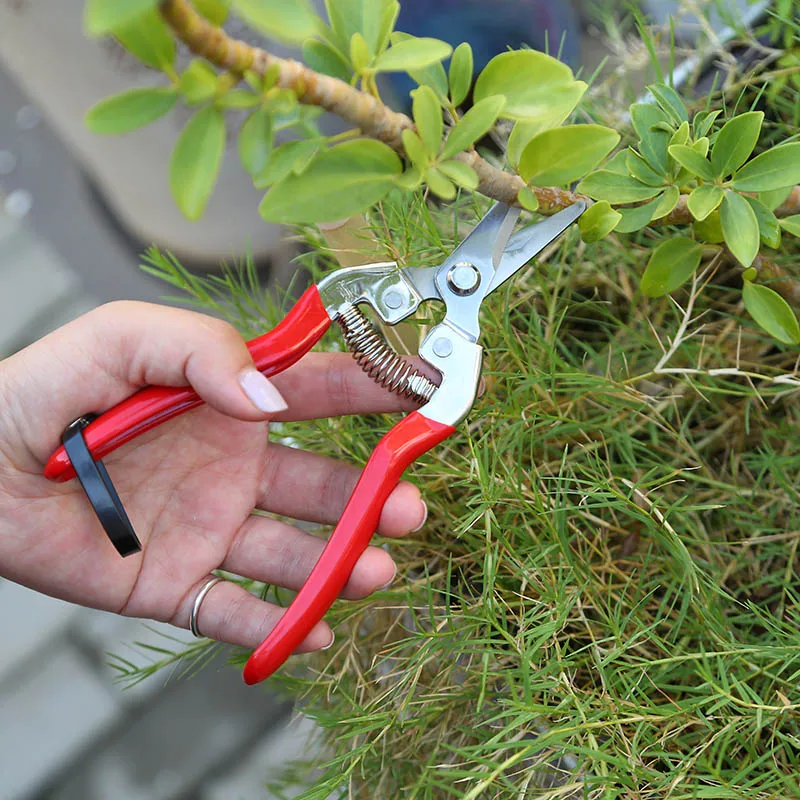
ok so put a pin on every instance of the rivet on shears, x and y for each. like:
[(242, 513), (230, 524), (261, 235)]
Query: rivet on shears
[(463, 278), (442, 347), (393, 299)]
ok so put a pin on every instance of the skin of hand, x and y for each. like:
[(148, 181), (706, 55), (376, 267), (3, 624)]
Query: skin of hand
[(189, 486)]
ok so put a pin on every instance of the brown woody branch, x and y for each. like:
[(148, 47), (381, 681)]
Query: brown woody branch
[(368, 113)]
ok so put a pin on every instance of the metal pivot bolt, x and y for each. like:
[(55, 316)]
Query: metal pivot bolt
[(393, 299), (442, 347), (463, 278)]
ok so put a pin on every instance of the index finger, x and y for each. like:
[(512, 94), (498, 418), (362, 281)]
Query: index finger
[(333, 384)]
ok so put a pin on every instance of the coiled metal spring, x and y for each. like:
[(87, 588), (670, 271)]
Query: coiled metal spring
[(377, 358)]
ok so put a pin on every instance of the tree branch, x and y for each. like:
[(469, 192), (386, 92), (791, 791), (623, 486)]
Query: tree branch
[(363, 110)]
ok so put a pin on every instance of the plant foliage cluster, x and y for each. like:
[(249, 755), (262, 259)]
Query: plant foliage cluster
[(604, 602)]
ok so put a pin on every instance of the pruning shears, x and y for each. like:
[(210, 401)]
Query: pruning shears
[(489, 256)]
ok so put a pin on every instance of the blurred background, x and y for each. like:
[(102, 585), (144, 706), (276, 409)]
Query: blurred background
[(76, 211)]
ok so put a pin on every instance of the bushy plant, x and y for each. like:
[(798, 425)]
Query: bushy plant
[(604, 600)]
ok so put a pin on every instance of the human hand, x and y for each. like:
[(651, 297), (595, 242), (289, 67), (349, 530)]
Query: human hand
[(190, 485)]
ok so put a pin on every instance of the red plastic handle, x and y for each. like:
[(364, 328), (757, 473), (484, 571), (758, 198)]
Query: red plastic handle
[(406, 441), (272, 352)]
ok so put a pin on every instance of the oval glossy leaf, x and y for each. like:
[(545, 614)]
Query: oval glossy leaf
[(768, 227), (616, 188), (439, 184), (641, 170), (412, 54), (292, 156), (563, 155), (690, 159), (775, 198), (105, 16), (129, 110), (704, 199), (791, 224), (461, 174), (339, 182), (255, 142), (288, 20), (321, 57), (775, 169), (215, 11), (359, 52), (771, 312), (428, 119), (195, 161), (198, 82), (415, 150), (598, 221), (149, 39), (739, 227), (668, 201), (527, 198), (634, 219), (373, 19), (735, 142), (238, 98), (475, 124), (529, 80), (672, 263), (460, 75), (670, 102), (653, 142), (710, 229)]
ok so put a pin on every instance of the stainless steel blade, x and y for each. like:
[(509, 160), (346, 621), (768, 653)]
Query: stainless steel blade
[(530, 241)]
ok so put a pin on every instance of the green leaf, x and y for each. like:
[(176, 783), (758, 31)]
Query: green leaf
[(340, 182), (321, 57), (439, 184), (775, 198), (415, 150), (669, 199), (791, 224), (433, 75), (735, 142), (198, 82), (476, 123), (525, 129), (641, 170), (129, 110), (616, 188), (149, 39), (255, 142), (681, 136), (739, 227), (238, 98), (290, 157), (106, 16), (359, 52), (702, 122), (776, 168), (460, 76), (410, 179), (619, 163), (461, 174), (653, 143), (701, 146), (704, 199), (215, 11), (771, 312), (672, 263), (710, 229), (689, 158), (634, 219), (598, 221), (532, 82), (528, 200), (670, 102), (196, 160), (563, 155), (428, 119), (412, 54), (373, 19), (288, 20), (768, 227)]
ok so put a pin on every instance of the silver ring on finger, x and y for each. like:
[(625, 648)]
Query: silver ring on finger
[(198, 601)]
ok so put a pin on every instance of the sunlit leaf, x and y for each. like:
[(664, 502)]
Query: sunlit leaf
[(768, 226), (288, 20), (671, 264), (774, 169), (704, 199), (616, 188), (460, 74), (690, 159), (428, 118), (461, 174), (411, 54), (598, 221), (735, 142), (255, 142), (105, 16), (149, 39), (475, 124), (740, 227), (129, 110), (771, 312)]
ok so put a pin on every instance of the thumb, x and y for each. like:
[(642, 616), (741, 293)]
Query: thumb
[(98, 360)]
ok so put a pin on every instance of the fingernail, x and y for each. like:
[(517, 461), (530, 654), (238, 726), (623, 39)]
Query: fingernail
[(389, 582), (330, 643), (424, 518), (260, 392)]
